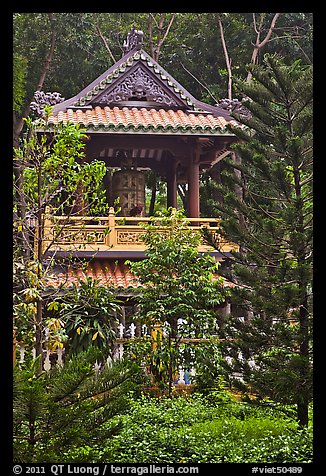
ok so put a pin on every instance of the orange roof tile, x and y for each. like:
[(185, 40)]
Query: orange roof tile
[(143, 120), (111, 273)]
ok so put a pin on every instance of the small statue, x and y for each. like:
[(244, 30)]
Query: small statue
[(134, 40), (42, 99), (235, 106)]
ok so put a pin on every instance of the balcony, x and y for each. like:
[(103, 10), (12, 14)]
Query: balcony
[(114, 235)]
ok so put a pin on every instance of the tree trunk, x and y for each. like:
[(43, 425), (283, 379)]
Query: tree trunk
[(32, 435), (171, 366), (302, 413), (39, 333), (22, 236), (260, 44), (19, 122), (227, 58), (183, 194), (39, 304), (303, 400)]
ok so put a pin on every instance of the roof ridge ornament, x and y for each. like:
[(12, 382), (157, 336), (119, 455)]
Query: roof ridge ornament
[(134, 40)]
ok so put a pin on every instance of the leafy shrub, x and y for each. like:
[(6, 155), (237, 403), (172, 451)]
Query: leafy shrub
[(192, 430)]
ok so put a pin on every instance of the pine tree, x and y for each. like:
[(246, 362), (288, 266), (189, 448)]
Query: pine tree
[(70, 406), (271, 220)]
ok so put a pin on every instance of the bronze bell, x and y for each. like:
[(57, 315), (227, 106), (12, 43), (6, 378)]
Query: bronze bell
[(129, 186)]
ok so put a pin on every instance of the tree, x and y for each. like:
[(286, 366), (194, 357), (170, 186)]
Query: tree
[(180, 291), (272, 222), (51, 171), (258, 45), (70, 406), (162, 34), (88, 43), (226, 56)]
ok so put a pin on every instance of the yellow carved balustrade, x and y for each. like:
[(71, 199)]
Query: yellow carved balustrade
[(73, 233)]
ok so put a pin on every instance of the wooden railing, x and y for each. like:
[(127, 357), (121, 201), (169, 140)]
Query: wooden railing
[(113, 233)]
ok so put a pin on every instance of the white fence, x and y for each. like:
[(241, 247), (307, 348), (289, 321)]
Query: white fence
[(124, 335)]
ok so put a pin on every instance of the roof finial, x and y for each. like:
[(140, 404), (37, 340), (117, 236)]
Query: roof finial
[(134, 40)]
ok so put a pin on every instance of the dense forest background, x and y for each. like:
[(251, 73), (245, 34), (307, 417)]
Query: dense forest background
[(205, 52)]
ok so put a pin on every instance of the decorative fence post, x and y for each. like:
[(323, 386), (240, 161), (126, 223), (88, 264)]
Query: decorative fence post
[(111, 236)]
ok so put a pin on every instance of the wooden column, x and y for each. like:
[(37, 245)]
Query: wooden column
[(172, 185), (193, 185)]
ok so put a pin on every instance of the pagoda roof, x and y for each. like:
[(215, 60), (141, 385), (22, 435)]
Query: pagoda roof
[(143, 120), (137, 95)]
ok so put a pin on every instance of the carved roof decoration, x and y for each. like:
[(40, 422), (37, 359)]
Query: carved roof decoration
[(138, 85), (134, 40), (135, 65)]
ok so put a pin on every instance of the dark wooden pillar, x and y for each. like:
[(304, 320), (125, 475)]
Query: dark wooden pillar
[(172, 185), (193, 187)]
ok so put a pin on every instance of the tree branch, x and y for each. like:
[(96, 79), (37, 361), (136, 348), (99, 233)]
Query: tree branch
[(168, 28), (205, 87), (105, 42), (155, 52), (270, 31)]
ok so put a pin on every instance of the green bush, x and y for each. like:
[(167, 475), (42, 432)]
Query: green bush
[(192, 430)]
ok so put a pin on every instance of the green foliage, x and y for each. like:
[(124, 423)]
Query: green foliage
[(19, 82), (90, 312), (68, 406), (53, 172), (190, 430)]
